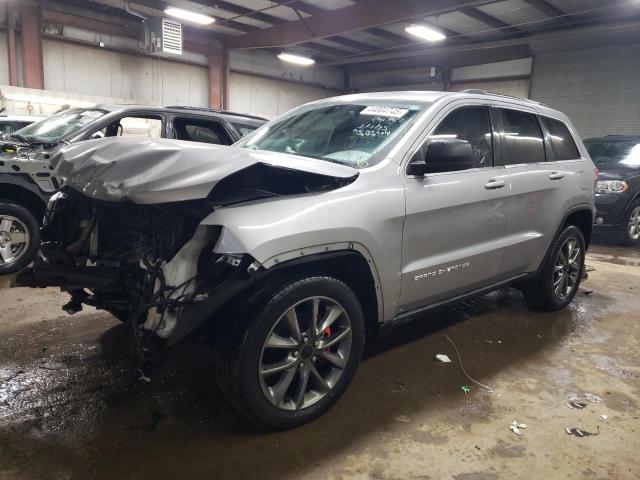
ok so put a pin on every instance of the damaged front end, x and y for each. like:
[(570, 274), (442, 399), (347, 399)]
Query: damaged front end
[(151, 266), (125, 234)]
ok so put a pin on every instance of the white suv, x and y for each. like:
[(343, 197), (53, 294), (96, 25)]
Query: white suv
[(303, 240)]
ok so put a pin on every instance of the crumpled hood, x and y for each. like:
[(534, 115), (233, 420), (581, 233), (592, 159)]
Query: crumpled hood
[(147, 171)]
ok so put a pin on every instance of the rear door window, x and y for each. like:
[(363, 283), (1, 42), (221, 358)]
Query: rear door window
[(521, 135), (201, 130), (562, 144), (148, 126)]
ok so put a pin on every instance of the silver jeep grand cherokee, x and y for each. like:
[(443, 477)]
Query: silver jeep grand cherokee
[(294, 246)]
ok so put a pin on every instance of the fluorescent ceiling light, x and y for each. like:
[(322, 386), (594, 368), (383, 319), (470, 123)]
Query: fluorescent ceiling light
[(425, 33), (189, 16), (297, 59)]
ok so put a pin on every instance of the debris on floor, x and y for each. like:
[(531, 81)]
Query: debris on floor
[(587, 291), (578, 432), (578, 405), (485, 387), (466, 389), (585, 397), (443, 358), (516, 426), (603, 417), (142, 377)]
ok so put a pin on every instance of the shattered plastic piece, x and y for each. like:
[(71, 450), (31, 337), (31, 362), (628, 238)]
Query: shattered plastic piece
[(603, 417), (578, 405), (443, 358), (578, 432), (466, 389), (142, 377), (515, 427)]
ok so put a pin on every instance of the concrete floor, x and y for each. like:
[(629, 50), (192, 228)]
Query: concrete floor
[(69, 407)]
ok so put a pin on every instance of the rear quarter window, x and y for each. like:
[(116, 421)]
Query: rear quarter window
[(562, 144)]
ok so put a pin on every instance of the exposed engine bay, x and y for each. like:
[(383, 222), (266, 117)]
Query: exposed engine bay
[(152, 265)]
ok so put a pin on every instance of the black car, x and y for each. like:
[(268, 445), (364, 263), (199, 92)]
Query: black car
[(28, 179), (618, 188)]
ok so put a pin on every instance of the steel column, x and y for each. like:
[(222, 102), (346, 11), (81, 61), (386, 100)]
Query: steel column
[(11, 45), (31, 42)]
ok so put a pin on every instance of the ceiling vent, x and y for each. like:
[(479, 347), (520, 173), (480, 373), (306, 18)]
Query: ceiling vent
[(163, 37)]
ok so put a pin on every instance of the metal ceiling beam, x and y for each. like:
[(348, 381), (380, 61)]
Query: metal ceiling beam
[(301, 6), (548, 9), (333, 52), (450, 57), (488, 20), (365, 14), (347, 42)]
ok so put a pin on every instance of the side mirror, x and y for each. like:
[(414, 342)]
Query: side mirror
[(442, 155)]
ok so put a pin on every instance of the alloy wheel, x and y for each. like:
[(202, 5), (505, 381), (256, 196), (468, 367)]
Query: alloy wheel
[(14, 239), (305, 353), (634, 224), (566, 271)]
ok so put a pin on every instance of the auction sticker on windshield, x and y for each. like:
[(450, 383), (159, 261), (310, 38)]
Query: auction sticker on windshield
[(382, 111)]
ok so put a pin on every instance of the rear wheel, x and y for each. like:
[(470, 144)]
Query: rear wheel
[(557, 282), (19, 237), (289, 357), (630, 230)]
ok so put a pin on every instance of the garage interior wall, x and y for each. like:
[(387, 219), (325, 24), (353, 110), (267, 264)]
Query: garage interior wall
[(270, 97), (597, 88), (83, 70)]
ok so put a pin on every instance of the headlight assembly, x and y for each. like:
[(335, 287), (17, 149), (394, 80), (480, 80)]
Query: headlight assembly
[(611, 186)]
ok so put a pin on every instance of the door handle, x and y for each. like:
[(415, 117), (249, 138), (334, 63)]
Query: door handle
[(556, 176), (495, 183)]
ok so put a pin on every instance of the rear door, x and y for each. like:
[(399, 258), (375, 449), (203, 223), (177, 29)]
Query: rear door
[(455, 220), (543, 164)]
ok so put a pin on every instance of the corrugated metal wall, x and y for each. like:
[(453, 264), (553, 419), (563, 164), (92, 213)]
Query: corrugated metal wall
[(270, 97), (598, 88)]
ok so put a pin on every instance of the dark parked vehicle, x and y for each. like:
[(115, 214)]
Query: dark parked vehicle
[(618, 187), (28, 178)]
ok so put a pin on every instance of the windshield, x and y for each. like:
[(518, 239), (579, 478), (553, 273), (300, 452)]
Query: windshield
[(355, 135), (56, 127), (615, 152)]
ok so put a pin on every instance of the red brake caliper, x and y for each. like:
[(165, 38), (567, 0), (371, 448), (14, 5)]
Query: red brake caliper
[(327, 333)]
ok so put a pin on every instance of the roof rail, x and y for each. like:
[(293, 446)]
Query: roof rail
[(479, 91), (215, 110)]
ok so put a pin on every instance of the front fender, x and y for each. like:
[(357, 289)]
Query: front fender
[(357, 217)]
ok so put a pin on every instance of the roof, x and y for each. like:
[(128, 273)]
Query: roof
[(429, 97), (614, 138), (253, 119)]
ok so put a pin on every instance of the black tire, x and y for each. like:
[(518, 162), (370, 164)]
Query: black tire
[(625, 236), (240, 347), (32, 226), (540, 291)]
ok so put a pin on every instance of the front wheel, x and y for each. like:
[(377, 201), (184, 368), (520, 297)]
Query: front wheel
[(19, 237), (294, 353), (556, 284)]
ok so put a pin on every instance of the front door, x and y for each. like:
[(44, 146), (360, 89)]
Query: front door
[(455, 220)]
